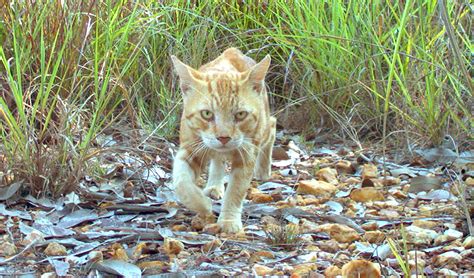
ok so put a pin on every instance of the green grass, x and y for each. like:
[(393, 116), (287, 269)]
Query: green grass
[(374, 68)]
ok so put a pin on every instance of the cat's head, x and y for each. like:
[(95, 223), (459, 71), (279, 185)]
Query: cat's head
[(223, 107)]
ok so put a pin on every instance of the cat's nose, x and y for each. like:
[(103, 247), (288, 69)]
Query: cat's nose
[(223, 139)]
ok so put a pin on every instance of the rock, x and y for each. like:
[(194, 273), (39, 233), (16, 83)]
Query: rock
[(332, 271), (94, 257), (389, 181), (339, 232), (366, 194), (303, 270), (212, 229), (327, 174), (388, 213), (279, 153), (418, 236), (317, 188), (448, 273), (119, 253), (257, 256), (172, 246), (370, 226), (369, 171), (352, 180), (448, 258), (154, 267), (470, 181), (344, 166), (374, 236), (212, 245), (360, 268), (55, 249), (440, 239), (425, 224), (7, 249), (262, 270), (34, 236), (261, 198), (331, 246), (468, 242), (453, 234), (199, 222)]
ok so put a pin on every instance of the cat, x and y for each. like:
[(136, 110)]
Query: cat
[(226, 117)]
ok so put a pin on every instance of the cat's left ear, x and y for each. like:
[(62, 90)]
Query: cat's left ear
[(187, 75), (257, 73)]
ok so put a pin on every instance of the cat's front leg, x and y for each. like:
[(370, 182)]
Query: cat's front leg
[(215, 181), (230, 217), (184, 177)]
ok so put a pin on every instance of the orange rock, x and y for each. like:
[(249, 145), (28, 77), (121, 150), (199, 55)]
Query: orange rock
[(332, 271), (261, 198), (262, 270), (303, 270), (55, 249), (212, 245), (369, 171), (327, 174), (366, 194), (152, 265), (344, 166), (374, 236), (339, 232), (212, 229), (317, 188), (360, 269), (172, 246)]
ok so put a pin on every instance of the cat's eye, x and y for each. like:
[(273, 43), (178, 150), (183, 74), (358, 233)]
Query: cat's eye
[(239, 116), (207, 115)]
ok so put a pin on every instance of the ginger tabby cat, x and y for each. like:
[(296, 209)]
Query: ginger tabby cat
[(226, 117)]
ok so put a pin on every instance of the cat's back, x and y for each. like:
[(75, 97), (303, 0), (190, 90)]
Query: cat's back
[(231, 60)]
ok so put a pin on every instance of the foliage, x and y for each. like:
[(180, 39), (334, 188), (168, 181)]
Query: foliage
[(68, 68)]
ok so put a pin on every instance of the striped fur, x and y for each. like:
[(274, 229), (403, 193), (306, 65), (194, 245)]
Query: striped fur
[(226, 117)]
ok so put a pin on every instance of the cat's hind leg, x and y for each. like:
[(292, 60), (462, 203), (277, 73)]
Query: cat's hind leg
[(215, 181), (263, 167)]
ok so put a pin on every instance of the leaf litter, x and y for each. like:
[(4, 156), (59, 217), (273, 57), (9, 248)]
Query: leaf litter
[(327, 210)]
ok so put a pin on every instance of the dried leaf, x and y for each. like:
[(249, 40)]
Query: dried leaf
[(8, 191), (424, 183), (122, 268)]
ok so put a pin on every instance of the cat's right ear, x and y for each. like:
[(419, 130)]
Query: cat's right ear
[(187, 75)]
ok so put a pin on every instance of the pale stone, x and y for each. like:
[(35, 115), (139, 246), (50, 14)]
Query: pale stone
[(369, 171), (262, 270), (8, 249), (468, 242), (327, 174), (449, 257), (453, 234), (317, 188), (419, 235)]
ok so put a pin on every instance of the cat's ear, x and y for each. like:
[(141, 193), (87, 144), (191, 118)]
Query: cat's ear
[(256, 75), (187, 75)]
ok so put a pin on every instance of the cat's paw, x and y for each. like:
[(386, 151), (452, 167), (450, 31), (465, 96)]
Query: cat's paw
[(215, 192), (262, 175), (230, 226)]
